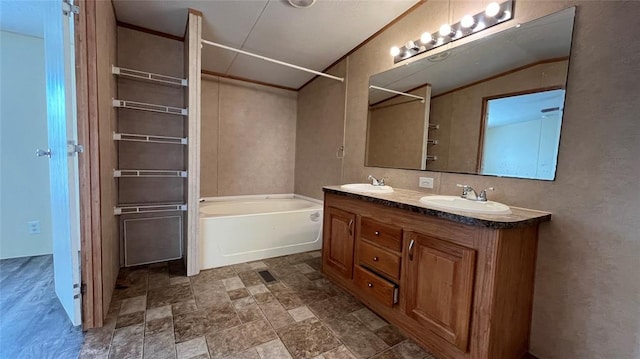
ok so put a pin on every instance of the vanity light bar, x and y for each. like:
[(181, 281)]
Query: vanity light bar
[(494, 14)]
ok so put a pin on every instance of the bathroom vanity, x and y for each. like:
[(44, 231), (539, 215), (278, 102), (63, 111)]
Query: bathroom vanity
[(460, 284)]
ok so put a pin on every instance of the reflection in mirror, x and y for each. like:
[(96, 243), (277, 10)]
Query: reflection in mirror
[(464, 81), (397, 131), (521, 135)]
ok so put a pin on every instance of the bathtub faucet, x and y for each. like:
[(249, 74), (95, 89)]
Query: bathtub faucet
[(375, 181)]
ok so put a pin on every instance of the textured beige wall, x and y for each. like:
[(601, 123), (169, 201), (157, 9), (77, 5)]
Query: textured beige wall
[(247, 137), (106, 49), (209, 137), (320, 134), (587, 289), (459, 114)]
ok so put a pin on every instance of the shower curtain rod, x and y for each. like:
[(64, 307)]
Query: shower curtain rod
[(272, 60), (397, 92)]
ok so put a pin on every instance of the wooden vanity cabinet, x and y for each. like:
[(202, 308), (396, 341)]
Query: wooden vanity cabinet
[(439, 286), (460, 290), (338, 241)]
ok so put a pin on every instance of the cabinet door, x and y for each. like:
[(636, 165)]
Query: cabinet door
[(337, 245), (439, 289)]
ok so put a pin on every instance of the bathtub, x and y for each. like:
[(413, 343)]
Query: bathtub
[(248, 228)]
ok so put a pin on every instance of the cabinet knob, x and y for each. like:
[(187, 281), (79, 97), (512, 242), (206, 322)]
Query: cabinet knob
[(376, 233), (375, 259), (370, 285)]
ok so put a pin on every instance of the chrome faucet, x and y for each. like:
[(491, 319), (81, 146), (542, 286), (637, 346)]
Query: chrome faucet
[(469, 193), (375, 181)]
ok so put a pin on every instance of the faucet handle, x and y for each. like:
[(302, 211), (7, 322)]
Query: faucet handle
[(468, 192), (375, 181), (483, 194), (465, 189)]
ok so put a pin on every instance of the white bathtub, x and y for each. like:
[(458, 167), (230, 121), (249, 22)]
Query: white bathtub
[(248, 228)]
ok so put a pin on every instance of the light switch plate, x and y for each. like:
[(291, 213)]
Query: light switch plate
[(426, 182), (34, 227)]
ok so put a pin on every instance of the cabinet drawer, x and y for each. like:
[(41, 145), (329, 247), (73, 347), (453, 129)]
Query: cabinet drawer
[(383, 234), (372, 285), (379, 260)]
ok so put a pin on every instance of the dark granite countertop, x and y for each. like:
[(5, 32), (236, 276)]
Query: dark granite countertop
[(410, 201)]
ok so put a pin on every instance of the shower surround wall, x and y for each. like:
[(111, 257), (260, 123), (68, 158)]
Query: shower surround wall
[(587, 291), (320, 133), (248, 136)]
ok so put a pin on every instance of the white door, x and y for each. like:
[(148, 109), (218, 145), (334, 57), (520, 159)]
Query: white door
[(62, 129)]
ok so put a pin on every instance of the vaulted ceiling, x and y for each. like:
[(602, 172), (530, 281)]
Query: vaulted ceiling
[(313, 37)]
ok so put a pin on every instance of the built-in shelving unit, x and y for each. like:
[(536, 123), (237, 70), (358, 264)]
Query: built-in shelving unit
[(152, 172), (432, 141)]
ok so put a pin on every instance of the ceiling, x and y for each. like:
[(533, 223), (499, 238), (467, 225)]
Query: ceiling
[(313, 37)]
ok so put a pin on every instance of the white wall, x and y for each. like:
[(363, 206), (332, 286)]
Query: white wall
[(24, 178)]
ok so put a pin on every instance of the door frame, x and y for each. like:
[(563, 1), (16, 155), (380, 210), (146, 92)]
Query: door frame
[(89, 165)]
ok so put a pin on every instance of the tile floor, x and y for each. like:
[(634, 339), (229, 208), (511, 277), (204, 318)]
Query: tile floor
[(230, 312), (33, 323)]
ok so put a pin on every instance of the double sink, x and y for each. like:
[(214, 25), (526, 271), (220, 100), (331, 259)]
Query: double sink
[(439, 202)]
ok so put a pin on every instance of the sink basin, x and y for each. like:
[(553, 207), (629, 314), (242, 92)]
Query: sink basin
[(366, 188), (456, 203)]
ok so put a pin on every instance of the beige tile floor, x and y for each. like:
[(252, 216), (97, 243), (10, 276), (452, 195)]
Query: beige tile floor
[(230, 312)]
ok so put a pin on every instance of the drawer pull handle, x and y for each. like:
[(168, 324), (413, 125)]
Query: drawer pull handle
[(375, 259), (351, 227), (370, 285), (376, 233), (411, 249)]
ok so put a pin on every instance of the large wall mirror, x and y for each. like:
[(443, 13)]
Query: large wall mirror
[(492, 106)]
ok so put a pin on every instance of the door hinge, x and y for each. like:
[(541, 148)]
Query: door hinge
[(77, 290), (74, 148), (83, 288), (68, 8)]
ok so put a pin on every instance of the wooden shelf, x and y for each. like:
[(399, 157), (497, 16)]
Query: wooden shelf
[(148, 76)]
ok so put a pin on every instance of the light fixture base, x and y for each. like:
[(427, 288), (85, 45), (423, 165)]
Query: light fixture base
[(481, 21), (301, 4)]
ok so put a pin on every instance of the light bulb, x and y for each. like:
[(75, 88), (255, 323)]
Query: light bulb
[(468, 22), (445, 30), (426, 38), (493, 10), (395, 51)]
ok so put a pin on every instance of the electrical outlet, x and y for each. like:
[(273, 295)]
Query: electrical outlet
[(426, 182), (34, 227)]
